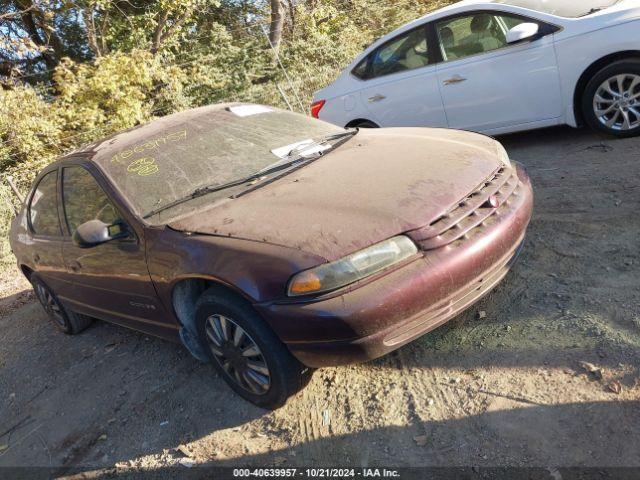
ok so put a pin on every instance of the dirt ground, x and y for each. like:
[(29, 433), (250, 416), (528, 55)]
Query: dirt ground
[(502, 385)]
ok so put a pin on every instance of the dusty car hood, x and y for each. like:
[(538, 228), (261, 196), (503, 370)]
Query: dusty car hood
[(379, 184)]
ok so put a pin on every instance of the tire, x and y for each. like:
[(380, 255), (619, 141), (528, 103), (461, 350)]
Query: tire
[(266, 377), (366, 124), (596, 97), (65, 320)]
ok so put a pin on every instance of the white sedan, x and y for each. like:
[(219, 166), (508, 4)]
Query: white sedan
[(497, 67)]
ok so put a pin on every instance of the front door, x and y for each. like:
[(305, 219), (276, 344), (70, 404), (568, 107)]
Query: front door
[(111, 280), (400, 84), (488, 84)]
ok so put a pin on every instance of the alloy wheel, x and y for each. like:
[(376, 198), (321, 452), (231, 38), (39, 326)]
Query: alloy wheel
[(237, 353), (50, 305), (616, 103)]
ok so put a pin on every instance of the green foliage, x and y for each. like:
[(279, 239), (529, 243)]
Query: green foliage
[(30, 130), (118, 90), (90, 100)]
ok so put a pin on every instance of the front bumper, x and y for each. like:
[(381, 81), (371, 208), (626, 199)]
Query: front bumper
[(380, 316)]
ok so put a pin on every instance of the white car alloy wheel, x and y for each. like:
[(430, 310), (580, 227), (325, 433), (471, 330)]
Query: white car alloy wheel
[(237, 353), (616, 103)]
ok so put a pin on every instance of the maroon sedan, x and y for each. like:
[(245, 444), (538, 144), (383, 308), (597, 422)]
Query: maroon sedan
[(271, 243)]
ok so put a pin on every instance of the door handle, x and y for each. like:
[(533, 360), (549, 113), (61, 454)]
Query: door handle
[(376, 98), (36, 258), (455, 79), (75, 266)]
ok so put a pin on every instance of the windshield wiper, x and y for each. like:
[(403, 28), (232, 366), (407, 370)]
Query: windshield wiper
[(323, 140), (337, 136), (599, 9), (298, 152)]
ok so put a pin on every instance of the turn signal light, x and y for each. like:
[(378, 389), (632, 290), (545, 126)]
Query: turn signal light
[(306, 282)]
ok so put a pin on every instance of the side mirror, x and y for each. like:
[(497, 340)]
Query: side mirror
[(94, 233), (524, 31)]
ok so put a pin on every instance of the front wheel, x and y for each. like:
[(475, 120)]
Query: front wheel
[(246, 352), (611, 101)]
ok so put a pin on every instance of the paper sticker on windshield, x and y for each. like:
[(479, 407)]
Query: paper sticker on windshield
[(248, 110)]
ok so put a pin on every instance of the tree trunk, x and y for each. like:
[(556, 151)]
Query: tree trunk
[(277, 20), (292, 17), (90, 28), (161, 22), (164, 32), (34, 21)]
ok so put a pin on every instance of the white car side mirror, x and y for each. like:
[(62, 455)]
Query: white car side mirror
[(523, 31)]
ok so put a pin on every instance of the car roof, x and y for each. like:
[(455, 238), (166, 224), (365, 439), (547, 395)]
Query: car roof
[(560, 8)]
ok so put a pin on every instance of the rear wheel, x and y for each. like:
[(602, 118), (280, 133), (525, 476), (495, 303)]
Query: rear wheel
[(65, 320), (364, 124), (611, 101), (246, 352)]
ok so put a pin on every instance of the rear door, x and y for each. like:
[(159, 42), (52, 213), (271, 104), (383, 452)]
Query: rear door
[(111, 280), (43, 240), (487, 83), (400, 85)]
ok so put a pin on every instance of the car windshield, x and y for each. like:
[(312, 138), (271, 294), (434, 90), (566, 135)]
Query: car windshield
[(562, 8), (170, 159)]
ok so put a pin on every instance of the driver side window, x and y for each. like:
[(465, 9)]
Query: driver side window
[(84, 199), (462, 37)]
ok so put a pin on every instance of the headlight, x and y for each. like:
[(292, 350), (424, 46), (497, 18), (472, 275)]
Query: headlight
[(503, 155), (352, 268)]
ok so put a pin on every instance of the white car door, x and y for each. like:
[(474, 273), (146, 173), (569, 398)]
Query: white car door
[(400, 84), (488, 84)]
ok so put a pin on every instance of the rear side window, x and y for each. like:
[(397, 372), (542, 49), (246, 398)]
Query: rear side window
[(408, 51), (361, 69), (43, 209), (84, 199)]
